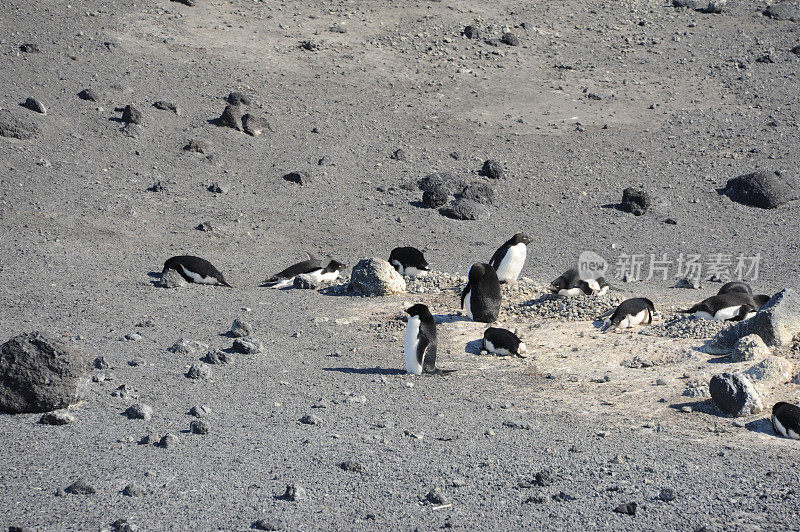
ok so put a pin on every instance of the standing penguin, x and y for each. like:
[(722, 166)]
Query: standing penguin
[(503, 342), (735, 286), (195, 270), (481, 297), (630, 313), (786, 420), (509, 258), (732, 306), (409, 261), (420, 342)]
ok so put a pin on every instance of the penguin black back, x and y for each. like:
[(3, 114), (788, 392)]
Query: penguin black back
[(503, 342), (481, 297), (566, 280), (294, 270), (509, 258), (420, 342), (735, 286), (409, 261), (632, 312), (195, 270), (731, 306), (786, 420)]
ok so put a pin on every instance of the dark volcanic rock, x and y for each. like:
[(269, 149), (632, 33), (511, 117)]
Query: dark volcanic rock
[(435, 496), (492, 169), (509, 39), (200, 411), (238, 98), (473, 31), (29, 48), (231, 117), (35, 105), (89, 95), (263, 524), (254, 125), (734, 394), (628, 508), (311, 46), (466, 209), (248, 345), (199, 372), (132, 115), (354, 467), (134, 490), (80, 487), (703, 6), (100, 363), (15, 127), (301, 178), (777, 323), (766, 190), (139, 411), (124, 524), (217, 356), (40, 374), (161, 105), (437, 188), (796, 50), (294, 492), (784, 10), (240, 328), (198, 146), (480, 193), (311, 419), (219, 188), (635, 201), (199, 426), (168, 441)]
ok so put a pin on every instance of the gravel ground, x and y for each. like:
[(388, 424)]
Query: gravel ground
[(316, 427)]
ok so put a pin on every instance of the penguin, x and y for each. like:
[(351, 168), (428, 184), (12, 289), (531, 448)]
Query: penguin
[(409, 261), (481, 297), (570, 284), (786, 420), (509, 258), (195, 270), (312, 267), (735, 286), (503, 342), (630, 313), (420, 342), (732, 306)]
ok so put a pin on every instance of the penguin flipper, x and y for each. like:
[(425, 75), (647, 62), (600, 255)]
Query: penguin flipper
[(464, 295), (692, 309), (422, 349), (744, 310), (443, 372), (606, 314)]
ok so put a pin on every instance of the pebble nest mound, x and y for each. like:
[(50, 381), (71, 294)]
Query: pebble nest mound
[(686, 326), (435, 282), (578, 308)]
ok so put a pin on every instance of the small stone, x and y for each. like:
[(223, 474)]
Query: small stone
[(628, 508), (199, 427), (254, 125), (172, 279), (132, 115), (219, 188), (186, 347), (311, 46), (544, 478), (134, 490), (168, 441), (734, 394), (231, 117), (189, 3), (263, 524), (635, 201), (139, 411), (295, 492), (688, 282), (311, 419), (89, 95), (661, 382), (492, 169), (301, 178), (305, 282), (29, 48), (473, 31), (240, 328), (750, 347), (351, 466), (248, 346), (337, 28), (124, 524), (398, 155), (762, 189), (238, 98), (80, 487), (510, 39), (200, 411), (35, 105), (480, 193), (166, 106), (435, 496), (466, 209), (100, 363), (198, 146), (217, 356), (56, 418), (796, 50), (199, 371), (149, 439), (667, 494), (205, 227)]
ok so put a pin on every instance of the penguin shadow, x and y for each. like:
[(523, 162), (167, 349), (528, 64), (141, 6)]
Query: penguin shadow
[(474, 347), (449, 318), (761, 426), (705, 406), (368, 371), (155, 278)]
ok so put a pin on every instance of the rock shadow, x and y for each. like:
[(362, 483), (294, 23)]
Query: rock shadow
[(763, 426), (368, 371)]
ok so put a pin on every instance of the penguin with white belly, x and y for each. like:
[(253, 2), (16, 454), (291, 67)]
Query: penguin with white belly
[(509, 258), (420, 342), (630, 313)]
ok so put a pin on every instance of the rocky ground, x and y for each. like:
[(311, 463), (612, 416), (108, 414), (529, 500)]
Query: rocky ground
[(134, 161)]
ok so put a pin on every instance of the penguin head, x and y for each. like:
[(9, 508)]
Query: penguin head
[(761, 299), (335, 266), (476, 272), (521, 238), (564, 280), (419, 310)]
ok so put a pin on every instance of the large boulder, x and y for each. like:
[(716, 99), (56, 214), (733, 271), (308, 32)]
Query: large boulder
[(750, 347), (40, 374), (777, 323), (734, 394), (765, 190), (771, 370), (376, 277), (466, 209), (784, 10), (438, 188)]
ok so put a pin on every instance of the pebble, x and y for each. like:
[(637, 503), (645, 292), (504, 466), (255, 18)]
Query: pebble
[(510, 39), (435, 496), (311, 419), (351, 466), (492, 169), (667, 494), (29, 48), (295, 492), (139, 411), (254, 125), (123, 525), (80, 487), (168, 441), (134, 490), (628, 508), (35, 105), (56, 418), (248, 345), (100, 363), (231, 117), (240, 328), (199, 371), (301, 178), (200, 411), (186, 347), (219, 188), (89, 95), (166, 106), (199, 427), (198, 146), (263, 524), (217, 356), (132, 115)]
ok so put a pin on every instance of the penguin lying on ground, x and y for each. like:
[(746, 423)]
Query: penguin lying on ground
[(481, 297), (195, 270), (503, 342), (420, 342), (786, 420), (629, 313), (731, 306), (570, 284), (509, 258), (312, 267), (735, 286), (409, 261)]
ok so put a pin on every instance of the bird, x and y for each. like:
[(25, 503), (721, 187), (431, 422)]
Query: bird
[(786, 420), (570, 284), (420, 342), (629, 313), (735, 286), (195, 270), (503, 342), (731, 306), (509, 258), (409, 261), (481, 297), (312, 267)]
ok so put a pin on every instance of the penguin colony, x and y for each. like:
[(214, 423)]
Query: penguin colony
[(481, 300)]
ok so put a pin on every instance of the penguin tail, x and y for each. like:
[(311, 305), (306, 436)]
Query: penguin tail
[(690, 310), (225, 283)]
